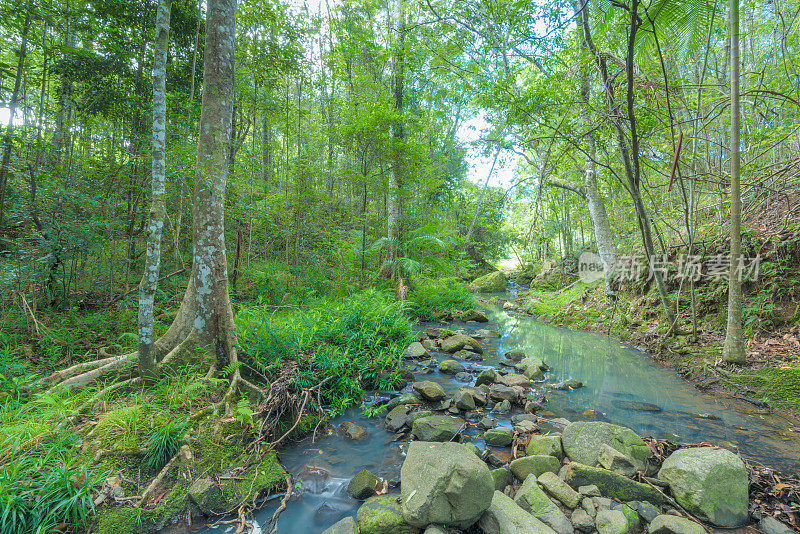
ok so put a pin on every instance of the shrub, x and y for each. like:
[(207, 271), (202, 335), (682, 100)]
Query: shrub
[(358, 341), (431, 299)]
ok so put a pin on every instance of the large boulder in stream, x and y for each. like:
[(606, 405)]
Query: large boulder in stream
[(429, 390), (362, 485), (416, 351), (457, 342), (437, 427), (445, 484), (474, 315), (583, 442), (710, 483), (450, 367), (490, 283)]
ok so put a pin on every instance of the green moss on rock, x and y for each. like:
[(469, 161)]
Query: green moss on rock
[(610, 484), (381, 515)]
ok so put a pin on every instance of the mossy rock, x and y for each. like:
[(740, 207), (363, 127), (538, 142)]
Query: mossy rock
[(490, 283), (534, 465), (583, 442), (208, 497), (122, 519), (382, 515), (610, 484), (362, 485)]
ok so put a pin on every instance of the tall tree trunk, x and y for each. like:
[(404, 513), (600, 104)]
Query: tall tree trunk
[(149, 284), (603, 235), (194, 50), (8, 138), (205, 314), (629, 150), (733, 351), (394, 198), (266, 158)]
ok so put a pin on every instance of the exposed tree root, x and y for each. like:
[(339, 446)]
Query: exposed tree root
[(120, 365), (62, 375), (183, 452), (273, 522), (86, 406)]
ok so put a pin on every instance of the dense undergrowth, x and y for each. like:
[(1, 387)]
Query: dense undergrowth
[(432, 299), (358, 341), (50, 474)]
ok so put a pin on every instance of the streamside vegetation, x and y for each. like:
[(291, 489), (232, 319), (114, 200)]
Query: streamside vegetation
[(219, 220)]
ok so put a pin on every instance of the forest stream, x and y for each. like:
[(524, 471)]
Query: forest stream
[(621, 385)]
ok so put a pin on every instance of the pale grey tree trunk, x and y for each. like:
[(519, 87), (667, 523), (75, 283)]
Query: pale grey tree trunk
[(194, 49), (603, 235), (733, 351), (394, 201), (205, 317), (152, 265)]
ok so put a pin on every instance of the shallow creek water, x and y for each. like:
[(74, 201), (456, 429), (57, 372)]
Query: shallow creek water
[(614, 375)]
